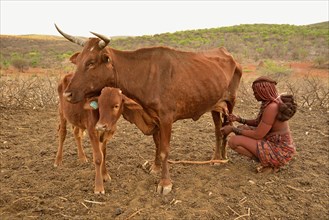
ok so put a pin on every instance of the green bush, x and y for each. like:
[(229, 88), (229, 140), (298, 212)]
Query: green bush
[(20, 64), (274, 70), (34, 58)]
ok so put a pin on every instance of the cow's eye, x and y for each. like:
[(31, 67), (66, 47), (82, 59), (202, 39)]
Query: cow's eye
[(90, 64), (116, 106)]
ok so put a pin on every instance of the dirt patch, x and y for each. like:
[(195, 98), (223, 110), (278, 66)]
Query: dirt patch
[(31, 188)]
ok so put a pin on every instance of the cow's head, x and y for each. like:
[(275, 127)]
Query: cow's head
[(110, 103), (94, 68)]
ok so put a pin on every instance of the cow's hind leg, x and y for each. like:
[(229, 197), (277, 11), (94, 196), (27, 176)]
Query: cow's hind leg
[(221, 140), (156, 166), (165, 184), (78, 136), (62, 135)]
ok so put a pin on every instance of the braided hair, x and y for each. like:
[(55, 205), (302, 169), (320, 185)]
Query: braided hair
[(266, 90)]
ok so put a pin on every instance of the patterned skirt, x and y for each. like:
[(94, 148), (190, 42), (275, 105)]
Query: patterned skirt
[(275, 150)]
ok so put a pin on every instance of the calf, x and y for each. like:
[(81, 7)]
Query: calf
[(112, 104), (82, 116)]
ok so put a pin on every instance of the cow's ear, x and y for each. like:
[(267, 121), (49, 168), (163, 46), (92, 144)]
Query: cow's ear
[(91, 104), (73, 58), (106, 58), (131, 104)]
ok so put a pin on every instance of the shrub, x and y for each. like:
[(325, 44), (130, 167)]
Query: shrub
[(20, 64), (321, 62), (274, 70)]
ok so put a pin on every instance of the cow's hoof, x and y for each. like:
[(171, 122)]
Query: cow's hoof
[(164, 190), (97, 192), (57, 164), (219, 159)]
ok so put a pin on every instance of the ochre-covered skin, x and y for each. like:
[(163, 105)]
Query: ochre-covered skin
[(268, 137)]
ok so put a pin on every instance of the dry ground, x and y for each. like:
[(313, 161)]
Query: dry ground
[(31, 188)]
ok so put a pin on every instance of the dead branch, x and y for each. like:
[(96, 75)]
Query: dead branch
[(135, 213), (84, 205), (297, 189), (245, 215), (196, 162), (320, 132), (233, 211), (94, 202)]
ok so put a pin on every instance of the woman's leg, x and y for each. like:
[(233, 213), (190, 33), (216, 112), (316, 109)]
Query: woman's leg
[(244, 145)]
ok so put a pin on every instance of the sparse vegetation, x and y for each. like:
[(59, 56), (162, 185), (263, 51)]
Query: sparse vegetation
[(249, 41), (274, 70), (20, 64)]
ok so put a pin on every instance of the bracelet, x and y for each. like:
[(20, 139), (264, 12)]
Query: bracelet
[(243, 121), (236, 131)]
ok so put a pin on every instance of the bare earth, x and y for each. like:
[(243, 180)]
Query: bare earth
[(32, 188)]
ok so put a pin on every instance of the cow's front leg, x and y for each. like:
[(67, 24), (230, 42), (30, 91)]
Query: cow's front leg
[(106, 176), (165, 185), (156, 166), (98, 161)]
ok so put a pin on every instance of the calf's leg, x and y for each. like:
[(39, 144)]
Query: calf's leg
[(98, 161), (107, 137), (62, 134), (78, 136)]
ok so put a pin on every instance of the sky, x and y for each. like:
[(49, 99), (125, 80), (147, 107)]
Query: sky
[(137, 18)]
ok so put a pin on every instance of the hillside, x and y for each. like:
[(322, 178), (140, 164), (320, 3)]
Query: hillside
[(246, 42)]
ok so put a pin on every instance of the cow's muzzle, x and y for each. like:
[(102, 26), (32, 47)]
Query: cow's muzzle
[(101, 127)]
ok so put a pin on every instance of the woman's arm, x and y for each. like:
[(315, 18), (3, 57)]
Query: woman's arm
[(250, 122), (266, 123), (267, 120)]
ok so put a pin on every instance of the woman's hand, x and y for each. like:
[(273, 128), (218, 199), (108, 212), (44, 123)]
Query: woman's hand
[(226, 129), (233, 118)]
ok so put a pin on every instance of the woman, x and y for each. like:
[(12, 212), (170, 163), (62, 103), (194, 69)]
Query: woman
[(266, 138)]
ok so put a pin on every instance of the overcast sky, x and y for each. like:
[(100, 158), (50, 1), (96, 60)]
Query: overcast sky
[(136, 18)]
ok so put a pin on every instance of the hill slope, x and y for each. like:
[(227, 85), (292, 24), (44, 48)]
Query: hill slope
[(246, 42)]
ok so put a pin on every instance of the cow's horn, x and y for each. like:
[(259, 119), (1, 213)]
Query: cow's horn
[(71, 38), (104, 42)]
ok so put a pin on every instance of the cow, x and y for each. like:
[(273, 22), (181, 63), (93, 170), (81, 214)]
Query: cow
[(83, 115), (169, 84)]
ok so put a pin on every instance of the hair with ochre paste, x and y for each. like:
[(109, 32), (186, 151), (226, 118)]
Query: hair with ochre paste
[(265, 88)]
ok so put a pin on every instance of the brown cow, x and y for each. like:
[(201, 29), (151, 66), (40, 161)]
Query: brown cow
[(82, 117), (169, 84)]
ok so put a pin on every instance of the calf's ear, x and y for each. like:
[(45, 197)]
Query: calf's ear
[(131, 104), (91, 104), (73, 58)]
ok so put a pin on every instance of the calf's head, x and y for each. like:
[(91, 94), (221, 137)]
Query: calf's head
[(94, 68), (110, 103)]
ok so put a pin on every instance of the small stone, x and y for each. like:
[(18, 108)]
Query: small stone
[(251, 182), (118, 211)]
